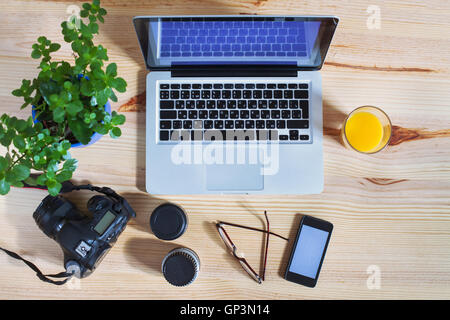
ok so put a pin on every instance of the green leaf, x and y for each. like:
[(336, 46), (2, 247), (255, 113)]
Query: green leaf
[(59, 114), (84, 13), (3, 163), (66, 145), (70, 165), (19, 142), (21, 125), (21, 172), (36, 54), (4, 187), (53, 187), (96, 3), (17, 93), (74, 107), (64, 176), (111, 70), (54, 47), (87, 6), (118, 120), (42, 179), (119, 84), (30, 181), (115, 133)]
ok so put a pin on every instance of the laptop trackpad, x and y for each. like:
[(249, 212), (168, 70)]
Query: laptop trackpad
[(239, 177)]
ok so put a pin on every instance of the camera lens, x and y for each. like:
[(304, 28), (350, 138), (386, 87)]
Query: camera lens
[(44, 215)]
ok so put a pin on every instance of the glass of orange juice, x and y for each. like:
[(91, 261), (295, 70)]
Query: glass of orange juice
[(367, 129)]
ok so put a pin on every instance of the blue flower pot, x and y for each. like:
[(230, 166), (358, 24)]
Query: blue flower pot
[(95, 137)]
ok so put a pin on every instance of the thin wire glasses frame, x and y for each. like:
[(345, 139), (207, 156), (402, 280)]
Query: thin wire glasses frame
[(232, 247)]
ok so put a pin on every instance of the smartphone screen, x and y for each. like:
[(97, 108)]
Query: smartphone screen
[(308, 251)]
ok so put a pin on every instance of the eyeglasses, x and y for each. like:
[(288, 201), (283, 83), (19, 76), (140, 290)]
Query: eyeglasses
[(232, 247)]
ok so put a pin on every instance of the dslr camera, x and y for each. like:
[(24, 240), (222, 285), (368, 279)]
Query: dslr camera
[(84, 240)]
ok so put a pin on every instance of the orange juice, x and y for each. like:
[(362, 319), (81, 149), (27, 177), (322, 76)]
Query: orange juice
[(367, 129), (364, 131)]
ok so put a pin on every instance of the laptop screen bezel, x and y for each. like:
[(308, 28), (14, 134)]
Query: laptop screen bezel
[(326, 31)]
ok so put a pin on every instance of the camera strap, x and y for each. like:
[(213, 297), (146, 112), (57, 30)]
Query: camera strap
[(39, 274)]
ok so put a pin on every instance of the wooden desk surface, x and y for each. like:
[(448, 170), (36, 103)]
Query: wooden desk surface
[(390, 210)]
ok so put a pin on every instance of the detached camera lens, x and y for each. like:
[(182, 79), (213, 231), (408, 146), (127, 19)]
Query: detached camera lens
[(181, 266)]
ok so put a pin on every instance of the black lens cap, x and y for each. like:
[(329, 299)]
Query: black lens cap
[(181, 266), (168, 221)]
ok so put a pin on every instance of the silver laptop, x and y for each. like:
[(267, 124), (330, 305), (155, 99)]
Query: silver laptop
[(234, 103)]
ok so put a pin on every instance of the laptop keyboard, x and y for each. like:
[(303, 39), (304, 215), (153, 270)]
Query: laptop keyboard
[(234, 111), (250, 38)]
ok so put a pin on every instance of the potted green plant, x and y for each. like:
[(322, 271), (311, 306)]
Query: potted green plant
[(70, 107)]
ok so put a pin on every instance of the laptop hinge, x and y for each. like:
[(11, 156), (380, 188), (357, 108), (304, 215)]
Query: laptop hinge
[(234, 71)]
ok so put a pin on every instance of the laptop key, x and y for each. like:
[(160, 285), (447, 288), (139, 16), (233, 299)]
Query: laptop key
[(164, 135), (242, 104), (296, 114), (213, 114), (262, 104), (301, 94), (187, 124), (164, 86), (229, 124), (265, 114), (277, 94), (221, 104), (177, 124), (182, 114), (304, 137), (260, 124), (270, 124), (226, 94), (281, 124), (252, 104), (208, 124), (210, 104), (190, 104), (167, 114), (304, 107), (293, 134), (203, 114), (179, 104), (200, 104), (223, 114), (249, 124), (193, 114), (275, 114), (166, 104), (164, 94), (239, 124), (284, 137), (231, 104), (234, 114), (218, 124), (165, 125), (297, 124), (174, 94), (185, 94)]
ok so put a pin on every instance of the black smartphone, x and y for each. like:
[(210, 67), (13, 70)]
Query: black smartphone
[(308, 251)]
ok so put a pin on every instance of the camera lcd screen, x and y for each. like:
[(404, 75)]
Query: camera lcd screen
[(105, 222), (308, 251)]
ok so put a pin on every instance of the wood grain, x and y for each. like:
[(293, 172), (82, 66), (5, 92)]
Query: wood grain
[(391, 209)]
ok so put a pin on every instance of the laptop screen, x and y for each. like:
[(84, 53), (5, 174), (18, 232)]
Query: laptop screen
[(296, 41)]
